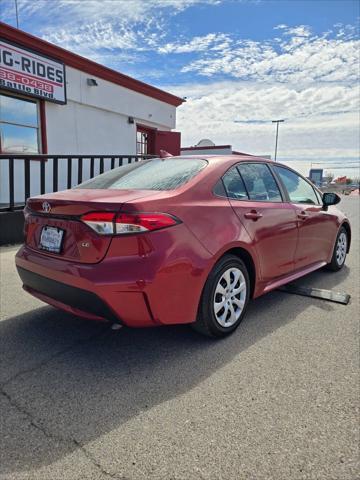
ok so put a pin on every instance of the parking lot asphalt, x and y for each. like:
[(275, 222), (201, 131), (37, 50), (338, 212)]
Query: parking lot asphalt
[(277, 400)]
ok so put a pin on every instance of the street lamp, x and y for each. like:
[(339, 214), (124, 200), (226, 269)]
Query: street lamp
[(277, 134), (16, 14)]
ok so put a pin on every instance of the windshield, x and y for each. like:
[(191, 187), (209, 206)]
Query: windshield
[(154, 174)]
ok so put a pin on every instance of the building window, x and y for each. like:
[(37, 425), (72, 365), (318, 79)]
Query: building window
[(19, 125), (142, 140), (145, 140)]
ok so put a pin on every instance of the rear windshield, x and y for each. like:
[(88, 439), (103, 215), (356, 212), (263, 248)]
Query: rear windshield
[(155, 174)]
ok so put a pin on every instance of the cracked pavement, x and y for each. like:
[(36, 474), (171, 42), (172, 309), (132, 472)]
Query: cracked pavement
[(276, 400)]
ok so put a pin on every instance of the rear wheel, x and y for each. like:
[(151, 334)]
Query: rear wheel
[(340, 251), (224, 298)]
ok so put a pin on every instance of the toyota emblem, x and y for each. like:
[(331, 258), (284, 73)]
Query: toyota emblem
[(46, 207)]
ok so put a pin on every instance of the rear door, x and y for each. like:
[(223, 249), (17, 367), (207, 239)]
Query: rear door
[(271, 223), (317, 228)]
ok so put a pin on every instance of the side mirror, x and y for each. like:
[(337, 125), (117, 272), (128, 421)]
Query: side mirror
[(330, 198)]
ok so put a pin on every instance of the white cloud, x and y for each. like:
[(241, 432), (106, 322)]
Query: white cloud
[(88, 27), (296, 56), (309, 79), (299, 31), (73, 11), (126, 29), (212, 42), (321, 120)]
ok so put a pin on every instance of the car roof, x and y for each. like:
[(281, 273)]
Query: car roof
[(226, 159), (235, 156)]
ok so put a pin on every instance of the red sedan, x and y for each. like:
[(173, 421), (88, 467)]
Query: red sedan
[(179, 240)]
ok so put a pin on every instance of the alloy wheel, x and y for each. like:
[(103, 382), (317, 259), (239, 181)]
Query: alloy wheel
[(229, 297), (341, 248)]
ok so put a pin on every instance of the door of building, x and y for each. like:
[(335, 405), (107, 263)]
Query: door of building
[(145, 140)]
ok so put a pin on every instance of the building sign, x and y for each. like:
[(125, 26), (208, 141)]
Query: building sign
[(316, 176), (29, 73)]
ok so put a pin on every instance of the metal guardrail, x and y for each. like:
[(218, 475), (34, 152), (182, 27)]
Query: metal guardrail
[(94, 160), (339, 188)]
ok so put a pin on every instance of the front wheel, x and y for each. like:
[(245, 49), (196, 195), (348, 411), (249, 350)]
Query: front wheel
[(340, 251), (224, 298)]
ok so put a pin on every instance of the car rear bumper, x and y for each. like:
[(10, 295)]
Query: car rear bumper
[(65, 296), (155, 284), (72, 288)]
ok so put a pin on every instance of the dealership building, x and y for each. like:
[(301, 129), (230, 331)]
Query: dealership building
[(54, 101)]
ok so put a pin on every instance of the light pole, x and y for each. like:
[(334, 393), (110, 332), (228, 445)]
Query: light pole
[(277, 134), (16, 14)]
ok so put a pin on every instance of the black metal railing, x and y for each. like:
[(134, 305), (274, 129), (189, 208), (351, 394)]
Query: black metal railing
[(19, 179)]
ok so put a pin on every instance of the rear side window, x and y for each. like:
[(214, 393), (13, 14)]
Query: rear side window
[(219, 189), (259, 182), (299, 190), (156, 174), (234, 184)]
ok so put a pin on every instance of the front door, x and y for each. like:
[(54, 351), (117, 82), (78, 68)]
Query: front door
[(270, 222), (317, 230)]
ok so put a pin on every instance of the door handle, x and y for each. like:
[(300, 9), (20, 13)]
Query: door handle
[(302, 215), (253, 215)]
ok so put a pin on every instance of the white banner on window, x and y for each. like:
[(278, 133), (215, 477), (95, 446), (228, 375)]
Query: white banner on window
[(29, 73)]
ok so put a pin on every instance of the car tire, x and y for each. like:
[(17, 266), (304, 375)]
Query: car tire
[(224, 298), (340, 251)]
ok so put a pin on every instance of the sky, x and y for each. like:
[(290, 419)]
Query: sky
[(239, 63)]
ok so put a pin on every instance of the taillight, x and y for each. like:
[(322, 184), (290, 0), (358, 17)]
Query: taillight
[(107, 223), (101, 222)]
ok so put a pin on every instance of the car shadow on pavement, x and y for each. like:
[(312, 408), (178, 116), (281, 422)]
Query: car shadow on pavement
[(66, 381)]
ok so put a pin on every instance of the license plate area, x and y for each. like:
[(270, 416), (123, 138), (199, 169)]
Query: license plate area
[(51, 239)]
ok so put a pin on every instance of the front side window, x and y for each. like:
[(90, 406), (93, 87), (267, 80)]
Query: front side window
[(319, 197), (299, 190), (156, 174), (259, 182), (19, 125)]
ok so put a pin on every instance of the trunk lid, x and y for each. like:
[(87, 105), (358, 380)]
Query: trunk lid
[(61, 211)]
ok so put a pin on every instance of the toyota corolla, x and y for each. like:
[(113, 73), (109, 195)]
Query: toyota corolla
[(179, 240)]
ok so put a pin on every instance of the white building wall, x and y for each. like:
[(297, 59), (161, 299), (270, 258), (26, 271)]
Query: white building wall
[(94, 121), (95, 118), (81, 129)]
